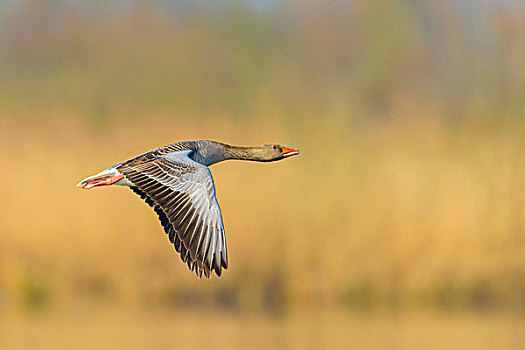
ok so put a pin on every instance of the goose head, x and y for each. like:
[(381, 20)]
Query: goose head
[(265, 153), (277, 152)]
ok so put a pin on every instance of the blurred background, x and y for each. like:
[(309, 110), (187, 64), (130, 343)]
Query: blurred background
[(400, 225)]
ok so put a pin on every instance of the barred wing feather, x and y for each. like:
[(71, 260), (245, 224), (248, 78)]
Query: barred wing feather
[(182, 193)]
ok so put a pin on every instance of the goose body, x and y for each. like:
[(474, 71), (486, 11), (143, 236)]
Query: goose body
[(176, 182)]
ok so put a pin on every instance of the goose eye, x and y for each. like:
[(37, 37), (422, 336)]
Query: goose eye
[(274, 147)]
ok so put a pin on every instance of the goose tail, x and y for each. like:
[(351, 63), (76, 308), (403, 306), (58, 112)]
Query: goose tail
[(104, 178)]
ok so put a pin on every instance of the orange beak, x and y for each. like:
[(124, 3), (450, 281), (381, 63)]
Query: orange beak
[(288, 152)]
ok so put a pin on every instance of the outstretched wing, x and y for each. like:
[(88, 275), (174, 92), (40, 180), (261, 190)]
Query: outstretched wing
[(182, 193)]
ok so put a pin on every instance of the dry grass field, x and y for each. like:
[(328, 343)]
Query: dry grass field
[(397, 213)]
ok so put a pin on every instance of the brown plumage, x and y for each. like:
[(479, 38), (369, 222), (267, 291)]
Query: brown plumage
[(176, 182)]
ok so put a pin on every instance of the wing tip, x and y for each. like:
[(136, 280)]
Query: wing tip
[(198, 261)]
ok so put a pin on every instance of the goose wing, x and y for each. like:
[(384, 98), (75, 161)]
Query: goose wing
[(182, 193)]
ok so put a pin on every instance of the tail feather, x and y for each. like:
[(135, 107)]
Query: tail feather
[(105, 177)]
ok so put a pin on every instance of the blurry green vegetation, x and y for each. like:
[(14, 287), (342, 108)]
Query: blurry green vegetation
[(357, 57), (409, 191), (35, 295)]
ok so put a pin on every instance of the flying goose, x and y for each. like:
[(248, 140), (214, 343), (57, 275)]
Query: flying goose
[(176, 182)]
